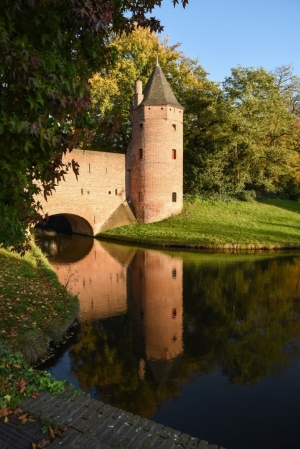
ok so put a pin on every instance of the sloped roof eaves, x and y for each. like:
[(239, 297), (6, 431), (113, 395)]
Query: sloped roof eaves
[(158, 91)]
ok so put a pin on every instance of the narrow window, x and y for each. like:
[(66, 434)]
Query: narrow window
[(174, 273), (89, 168), (174, 197), (141, 125), (173, 154), (109, 192), (141, 153), (174, 313), (116, 191), (174, 127), (81, 191), (140, 196)]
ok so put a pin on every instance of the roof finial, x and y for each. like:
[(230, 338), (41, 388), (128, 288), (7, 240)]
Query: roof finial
[(157, 63)]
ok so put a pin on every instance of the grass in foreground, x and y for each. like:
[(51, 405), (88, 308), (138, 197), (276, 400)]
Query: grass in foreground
[(216, 224), (35, 308)]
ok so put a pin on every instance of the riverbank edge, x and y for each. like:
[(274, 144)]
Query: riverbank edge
[(145, 243), (208, 225), (34, 344)]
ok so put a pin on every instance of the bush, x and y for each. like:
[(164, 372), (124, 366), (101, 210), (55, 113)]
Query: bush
[(248, 195)]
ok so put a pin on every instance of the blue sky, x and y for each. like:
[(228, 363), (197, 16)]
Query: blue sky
[(223, 34)]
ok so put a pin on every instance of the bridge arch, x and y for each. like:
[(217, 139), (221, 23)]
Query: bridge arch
[(79, 224), (75, 223)]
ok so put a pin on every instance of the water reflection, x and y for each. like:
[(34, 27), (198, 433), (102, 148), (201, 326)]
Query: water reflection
[(159, 329)]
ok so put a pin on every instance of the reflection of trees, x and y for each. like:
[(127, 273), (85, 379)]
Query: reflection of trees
[(242, 318), (103, 358)]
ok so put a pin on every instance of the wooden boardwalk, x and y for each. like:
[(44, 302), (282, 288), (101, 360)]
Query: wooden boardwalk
[(95, 425)]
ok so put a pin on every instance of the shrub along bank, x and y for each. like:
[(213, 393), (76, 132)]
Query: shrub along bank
[(215, 224), (35, 311)]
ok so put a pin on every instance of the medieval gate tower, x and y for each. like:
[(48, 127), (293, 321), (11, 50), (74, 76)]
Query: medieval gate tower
[(154, 161), (149, 177)]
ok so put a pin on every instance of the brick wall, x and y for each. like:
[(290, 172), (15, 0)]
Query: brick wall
[(155, 162), (89, 201)]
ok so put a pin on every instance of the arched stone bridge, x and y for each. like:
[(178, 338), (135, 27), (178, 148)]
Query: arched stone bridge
[(96, 201)]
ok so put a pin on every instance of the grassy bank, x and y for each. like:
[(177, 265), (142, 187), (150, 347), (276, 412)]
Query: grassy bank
[(35, 309), (217, 225)]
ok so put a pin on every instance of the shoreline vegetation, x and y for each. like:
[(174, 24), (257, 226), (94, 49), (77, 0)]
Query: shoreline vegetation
[(219, 225), (36, 312)]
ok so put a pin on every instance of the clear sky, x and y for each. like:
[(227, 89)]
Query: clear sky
[(223, 34)]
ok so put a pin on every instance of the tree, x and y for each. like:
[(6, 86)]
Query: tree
[(263, 142), (112, 88), (49, 50), (289, 87), (205, 143)]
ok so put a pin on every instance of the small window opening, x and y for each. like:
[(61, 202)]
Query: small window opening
[(149, 109), (174, 197), (174, 313), (174, 338), (106, 170), (162, 109), (174, 127), (89, 168), (174, 273), (141, 125), (141, 153), (173, 154), (81, 191), (140, 196), (116, 191), (109, 192)]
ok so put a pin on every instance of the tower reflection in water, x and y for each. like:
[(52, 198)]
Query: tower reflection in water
[(113, 280)]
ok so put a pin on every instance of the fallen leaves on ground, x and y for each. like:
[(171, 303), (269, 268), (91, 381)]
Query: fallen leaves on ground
[(28, 297)]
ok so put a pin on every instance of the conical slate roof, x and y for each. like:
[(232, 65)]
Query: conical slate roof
[(157, 91)]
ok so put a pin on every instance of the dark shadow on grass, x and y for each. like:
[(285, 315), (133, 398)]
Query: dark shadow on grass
[(292, 206)]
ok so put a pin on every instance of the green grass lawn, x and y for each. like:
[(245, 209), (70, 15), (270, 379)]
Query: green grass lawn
[(216, 224), (35, 309)]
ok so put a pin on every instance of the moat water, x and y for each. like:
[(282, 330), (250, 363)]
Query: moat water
[(208, 344)]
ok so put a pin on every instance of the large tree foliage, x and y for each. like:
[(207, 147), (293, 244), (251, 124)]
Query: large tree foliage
[(245, 136), (48, 51), (264, 140), (112, 88)]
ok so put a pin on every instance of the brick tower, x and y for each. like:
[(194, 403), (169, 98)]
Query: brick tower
[(154, 162)]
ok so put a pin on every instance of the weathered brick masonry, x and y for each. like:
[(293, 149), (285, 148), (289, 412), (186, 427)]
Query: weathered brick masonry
[(89, 201), (151, 178)]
